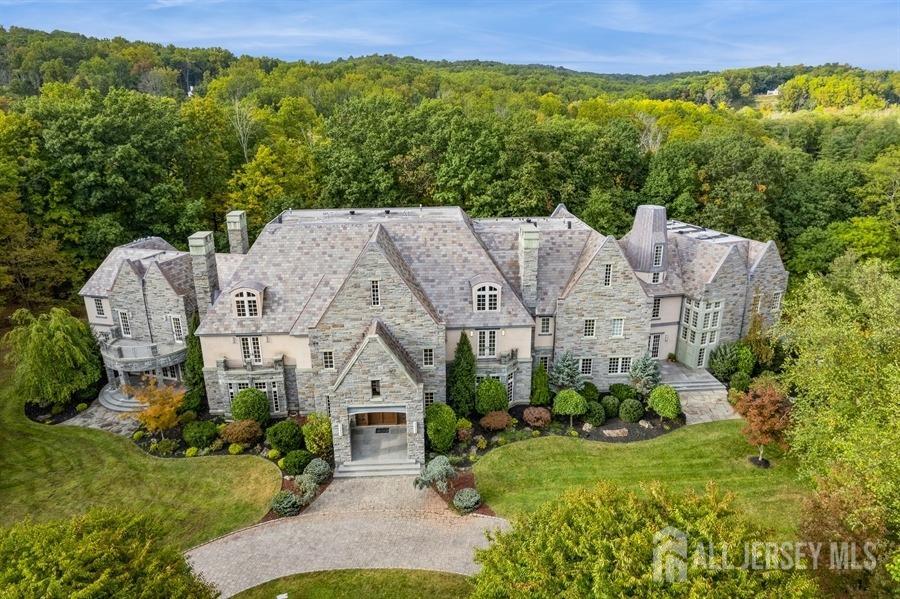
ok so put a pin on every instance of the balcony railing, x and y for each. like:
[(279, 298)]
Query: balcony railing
[(510, 357)]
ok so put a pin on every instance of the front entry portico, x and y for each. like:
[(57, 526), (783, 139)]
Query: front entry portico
[(378, 436)]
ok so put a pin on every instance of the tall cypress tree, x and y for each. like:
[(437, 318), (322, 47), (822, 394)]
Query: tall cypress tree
[(193, 370), (540, 388), (461, 379)]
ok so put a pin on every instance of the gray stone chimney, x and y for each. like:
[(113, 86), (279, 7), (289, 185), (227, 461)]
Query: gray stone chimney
[(529, 246), (203, 263), (236, 223)]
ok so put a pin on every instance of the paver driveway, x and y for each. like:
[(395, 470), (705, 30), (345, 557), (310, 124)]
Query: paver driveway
[(356, 523)]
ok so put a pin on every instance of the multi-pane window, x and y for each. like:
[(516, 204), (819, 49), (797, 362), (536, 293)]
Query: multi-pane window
[(715, 320), (618, 327), (712, 337), (626, 364), (587, 366), (487, 298), (171, 372), (619, 365), (693, 335), (657, 303), (235, 388), (510, 386), (376, 294), (776, 301), (250, 350), (589, 327), (98, 307), (607, 275), (545, 325), (124, 323), (757, 303), (177, 329), (695, 314), (487, 344), (653, 345), (684, 333), (429, 398), (428, 357), (701, 355), (246, 304), (376, 388), (706, 317), (657, 255), (328, 360), (655, 277), (545, 362)]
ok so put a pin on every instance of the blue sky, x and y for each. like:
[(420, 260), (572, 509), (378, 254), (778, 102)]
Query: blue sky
[(615, 36)]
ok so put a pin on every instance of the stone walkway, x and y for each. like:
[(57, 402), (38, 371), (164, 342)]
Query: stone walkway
[(706, 406), (356, 523), (104, 419)]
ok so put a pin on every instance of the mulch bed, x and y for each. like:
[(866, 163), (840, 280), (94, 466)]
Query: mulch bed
[(465, 479), (290, 485), (42, 415)]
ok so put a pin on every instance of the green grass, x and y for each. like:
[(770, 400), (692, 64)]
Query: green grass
[(49, 472), (371, 584), (519, 477)]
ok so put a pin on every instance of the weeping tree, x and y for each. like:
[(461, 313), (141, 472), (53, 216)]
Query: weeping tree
[(53, 355)]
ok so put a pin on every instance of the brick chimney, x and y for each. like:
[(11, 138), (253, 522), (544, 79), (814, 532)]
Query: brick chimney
[(203, 264), (529, 245), (236, 223)]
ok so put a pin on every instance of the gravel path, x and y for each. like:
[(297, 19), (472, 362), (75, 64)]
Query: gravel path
[(356, 523)]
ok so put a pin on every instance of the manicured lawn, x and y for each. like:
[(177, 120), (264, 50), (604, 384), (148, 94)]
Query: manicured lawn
[(519, 477), (371, 584), (49, 472)]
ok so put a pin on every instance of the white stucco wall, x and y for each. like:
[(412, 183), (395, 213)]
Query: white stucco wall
[(294, 349), (93, 317), (507, 339), (543, 340)]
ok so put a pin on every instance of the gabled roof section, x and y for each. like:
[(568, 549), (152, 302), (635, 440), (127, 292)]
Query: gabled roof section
[(377, 332), (591, 248), (561, 212), (138, 255)]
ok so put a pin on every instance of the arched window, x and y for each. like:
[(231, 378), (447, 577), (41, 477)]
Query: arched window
[(246, 304), (487, 298)]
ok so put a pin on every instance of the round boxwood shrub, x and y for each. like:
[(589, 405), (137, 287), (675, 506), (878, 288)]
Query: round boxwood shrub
[(740, 380), (200, 433), (495, 421), (250, 404), (595, 414), (241, 431), (236, 448), (491, 397), (440, 426), (664, 401), (610, 405), (537, 417), (81, 407), (273, 454), (138, 435), (467, 500), (285, 436), (286, 503), (590, 392), (622, 391), (569, 402), (295, 461), (191, 452), (318, 470), (631, 410)]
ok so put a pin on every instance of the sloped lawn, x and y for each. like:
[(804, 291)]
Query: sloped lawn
[(55, 471), (519, 477), (372, 584)]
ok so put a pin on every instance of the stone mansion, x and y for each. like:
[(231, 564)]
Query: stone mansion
[(356, 313)]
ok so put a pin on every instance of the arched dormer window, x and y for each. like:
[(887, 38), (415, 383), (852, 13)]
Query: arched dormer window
[(487, 298), (246, 304)]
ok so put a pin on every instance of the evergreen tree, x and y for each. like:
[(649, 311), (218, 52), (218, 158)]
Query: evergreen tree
[(540, 387), (566, 374), (644, 374), (193, 370), (461, 382)]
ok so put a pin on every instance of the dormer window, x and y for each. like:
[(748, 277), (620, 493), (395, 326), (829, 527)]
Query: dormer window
[(657, 255), (246, 304), (487, 298)]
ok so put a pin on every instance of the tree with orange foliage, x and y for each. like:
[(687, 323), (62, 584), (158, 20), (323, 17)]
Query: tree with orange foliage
[(162, 401), (767, 412)]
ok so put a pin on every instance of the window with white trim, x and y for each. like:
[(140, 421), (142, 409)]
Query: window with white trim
[(607, 275), (657, 305), (776, 301), (376, 294), (375, 385), (246, 304), (171, 372), (706, 317), (693, 335), (487, 298), (618, 327), (234, 389), (124, 323), (545, 325), (510, 386), (695, 314), (429, 398), (487, 344), (250, 350), (701, 356), (619, 365), (428, 357), (712, 337), (757, 303), (626, 364), (98, 307), (653, 344), (686, 314), (586, 366), (715, 320), (544, 361), (657, 255), (589, 327), (177, 329), (655, 277), (684, 333), (328, 360)]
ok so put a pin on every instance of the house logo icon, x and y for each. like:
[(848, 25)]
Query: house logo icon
[(669, 555)]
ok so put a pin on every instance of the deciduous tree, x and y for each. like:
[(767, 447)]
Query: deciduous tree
[(161, 402), (766, 410)]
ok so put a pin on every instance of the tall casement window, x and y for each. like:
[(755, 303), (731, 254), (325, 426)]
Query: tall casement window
[(246, 304), (328, 360), (756, 306), (250, 350), (510, 386), (655, 277), (701, 322), (376, 294), (487, 344), (701, 357), (589, 327), (429, 398), (586, 366), (657, 303), (657, 255), (653, 345), (376, 388), (776, 301), (607, 275), (177, 329), (124, 323), (545, 325), (98, 307), (428, 357), (487, 298), (545, 362), (618, 327)]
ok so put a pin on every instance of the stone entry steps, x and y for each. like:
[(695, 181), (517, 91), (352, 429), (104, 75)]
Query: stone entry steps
[(700, 385), (359, 469), (113, 399)]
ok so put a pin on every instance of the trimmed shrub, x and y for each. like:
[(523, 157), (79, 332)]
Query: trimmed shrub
[(745, 360), (495, 421), (191, 452), (81, 407), (631, 410), (664, 401), (740, 380), (436, 474), (610, 405), (540, 387), (250, 404), (241, 431), (217, 444), (285, 503), (440, 426), (187, 417), (199, 433), (285, 436), (590, 392), (318, 470), (307, 488), (595, 413), (723, 361), (164, 447), (622, 391), (138, 435), (295, 461), (463, 429), (467, 500), (317, 434), (236, 448), (569, 402), (537, 417), (491, 397), (273, 454)]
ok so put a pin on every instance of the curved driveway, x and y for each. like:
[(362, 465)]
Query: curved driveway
[(356, 523)]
